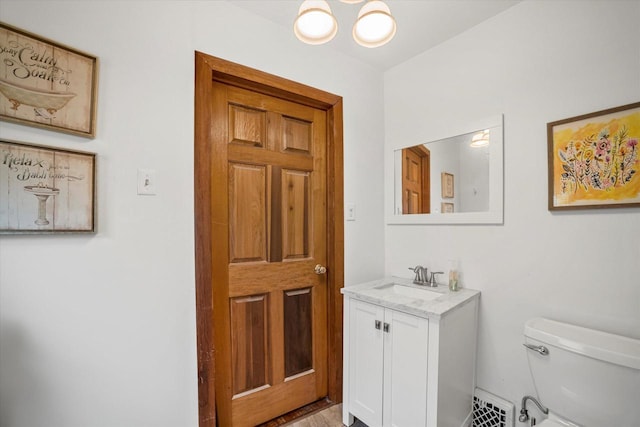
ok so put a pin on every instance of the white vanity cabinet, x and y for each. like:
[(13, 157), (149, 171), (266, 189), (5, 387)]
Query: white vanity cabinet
[(388, 369), (406, 365)]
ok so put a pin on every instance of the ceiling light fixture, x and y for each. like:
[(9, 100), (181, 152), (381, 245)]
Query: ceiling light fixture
[(375, 26), (480, 139), (316, 24)]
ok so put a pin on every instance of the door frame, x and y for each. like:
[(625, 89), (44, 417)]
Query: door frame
[(207, 69)]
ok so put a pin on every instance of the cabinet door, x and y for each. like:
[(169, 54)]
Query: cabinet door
[(365, 362), (405, 373)]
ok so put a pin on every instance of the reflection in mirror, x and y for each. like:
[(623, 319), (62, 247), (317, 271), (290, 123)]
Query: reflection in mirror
[(452, 180), (445, 176)]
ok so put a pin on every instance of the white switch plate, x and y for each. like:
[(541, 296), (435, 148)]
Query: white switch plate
[(147, 182), (350, 211)]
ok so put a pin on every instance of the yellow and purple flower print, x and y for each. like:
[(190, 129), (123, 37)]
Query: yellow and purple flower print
[(599, 162)]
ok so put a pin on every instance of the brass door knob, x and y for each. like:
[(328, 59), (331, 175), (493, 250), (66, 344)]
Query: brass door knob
[(320, 269)]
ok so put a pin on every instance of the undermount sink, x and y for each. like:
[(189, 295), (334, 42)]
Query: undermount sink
[(408, 291)]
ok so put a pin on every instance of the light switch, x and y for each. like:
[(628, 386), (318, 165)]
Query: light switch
[(147, 182), (350, 211)]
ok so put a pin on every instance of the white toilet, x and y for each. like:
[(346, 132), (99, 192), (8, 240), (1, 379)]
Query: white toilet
[(587, 378)]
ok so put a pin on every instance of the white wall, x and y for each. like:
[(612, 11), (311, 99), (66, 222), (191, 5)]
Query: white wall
[(537, 62), (444, 157), (473, 183), (99, 330)]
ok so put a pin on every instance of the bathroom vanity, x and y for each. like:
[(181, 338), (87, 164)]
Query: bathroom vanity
[(409, 354)]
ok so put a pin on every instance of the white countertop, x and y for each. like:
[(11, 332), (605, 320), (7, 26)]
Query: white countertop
[(434, 308)]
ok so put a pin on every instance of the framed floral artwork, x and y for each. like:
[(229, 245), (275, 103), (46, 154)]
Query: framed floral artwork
[(593, 160)]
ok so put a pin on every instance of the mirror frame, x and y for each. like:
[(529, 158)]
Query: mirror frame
[(495, 214)]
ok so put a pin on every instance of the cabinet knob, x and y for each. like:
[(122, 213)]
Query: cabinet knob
[(386, 327), (378, 324)]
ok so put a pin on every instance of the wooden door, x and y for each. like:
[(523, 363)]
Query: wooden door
[(214, 159), (270, 302), (416, 195)]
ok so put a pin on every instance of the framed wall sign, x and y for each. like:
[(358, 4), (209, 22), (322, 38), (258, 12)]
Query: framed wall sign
[(46, 84), (593, 160), (446, 207), (447, 185), (46, 190)]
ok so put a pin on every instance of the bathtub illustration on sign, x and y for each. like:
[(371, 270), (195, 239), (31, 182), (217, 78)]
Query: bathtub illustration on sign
[(46, 103), (42, 193)]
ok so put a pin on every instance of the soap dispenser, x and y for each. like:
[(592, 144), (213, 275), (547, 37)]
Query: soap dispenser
[(453, 275)]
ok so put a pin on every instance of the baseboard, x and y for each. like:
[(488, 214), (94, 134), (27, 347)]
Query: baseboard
[(468, 421)]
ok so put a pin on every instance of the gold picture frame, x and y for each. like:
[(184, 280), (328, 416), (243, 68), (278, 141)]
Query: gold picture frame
[(447, 185), (46, 84), (46, 190), (593, 160)]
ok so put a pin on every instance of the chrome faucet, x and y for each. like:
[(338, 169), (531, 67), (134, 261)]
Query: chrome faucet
[(421, 275), (432, 279)]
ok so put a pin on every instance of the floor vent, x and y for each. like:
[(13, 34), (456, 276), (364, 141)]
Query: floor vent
[(491, 411)]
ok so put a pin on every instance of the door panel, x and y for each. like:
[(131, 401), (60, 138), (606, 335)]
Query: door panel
[(247, 126), (247, 213), (298, 332), (405, 381), (295, 218), (366, 362), (275, 194), (296, 135), (249, 338)]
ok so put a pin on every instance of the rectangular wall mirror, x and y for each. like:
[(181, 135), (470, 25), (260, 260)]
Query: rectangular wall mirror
[(457, 179)]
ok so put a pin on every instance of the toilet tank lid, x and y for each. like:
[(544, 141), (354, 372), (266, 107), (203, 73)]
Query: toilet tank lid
[(599, 345)]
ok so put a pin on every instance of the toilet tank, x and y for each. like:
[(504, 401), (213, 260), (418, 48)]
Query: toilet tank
[(588, 377)]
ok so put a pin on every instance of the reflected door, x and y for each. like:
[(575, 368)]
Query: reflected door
[(416, 194), (270, 304)]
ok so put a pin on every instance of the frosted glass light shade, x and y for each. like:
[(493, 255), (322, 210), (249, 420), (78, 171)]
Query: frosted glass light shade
[(315, 23), (480, 139), (375, 25)]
